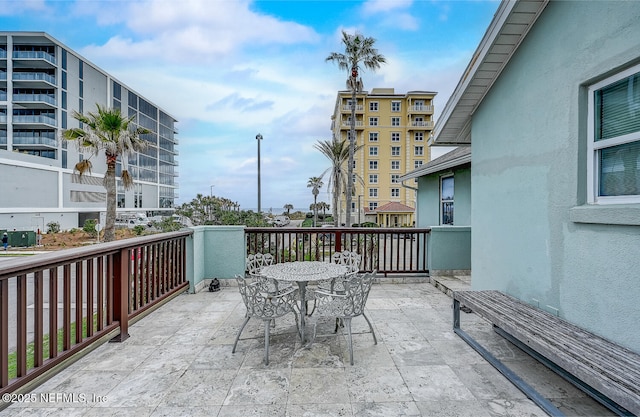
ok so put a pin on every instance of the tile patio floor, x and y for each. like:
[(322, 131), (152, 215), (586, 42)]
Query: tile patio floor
[(178, 362)]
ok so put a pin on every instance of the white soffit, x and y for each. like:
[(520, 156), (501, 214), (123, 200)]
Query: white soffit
[(509, 26)]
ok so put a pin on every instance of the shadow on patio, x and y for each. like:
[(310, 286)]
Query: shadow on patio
[(178, 361)]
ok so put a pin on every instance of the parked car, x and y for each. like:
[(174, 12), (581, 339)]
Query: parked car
[(281, 221)]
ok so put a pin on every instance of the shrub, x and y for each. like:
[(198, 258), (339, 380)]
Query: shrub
[(90, 227), (138, 230), (53, 227)]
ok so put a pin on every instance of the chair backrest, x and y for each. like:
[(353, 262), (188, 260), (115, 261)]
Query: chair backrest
[(257, 261), (347, 258), (263, 304), (357, 289)]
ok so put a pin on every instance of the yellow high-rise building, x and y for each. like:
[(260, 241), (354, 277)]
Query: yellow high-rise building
[(393, 130)]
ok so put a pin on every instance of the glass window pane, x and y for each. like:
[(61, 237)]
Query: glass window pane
[(620, 170), (618, 108), (447, 188)]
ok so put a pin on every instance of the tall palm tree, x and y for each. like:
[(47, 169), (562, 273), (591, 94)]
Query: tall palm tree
[(109, 131), (358, 50), (288, 207), (315, 183), (337, 151)]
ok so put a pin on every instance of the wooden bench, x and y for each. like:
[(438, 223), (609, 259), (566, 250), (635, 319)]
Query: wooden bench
[(606, 371)]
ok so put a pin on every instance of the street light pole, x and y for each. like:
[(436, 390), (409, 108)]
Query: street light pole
[(259, 139), (212, 190)]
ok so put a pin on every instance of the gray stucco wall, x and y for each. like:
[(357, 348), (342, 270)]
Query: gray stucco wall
[(529, 174)]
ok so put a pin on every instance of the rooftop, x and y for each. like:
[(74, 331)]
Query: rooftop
[(178, 362)]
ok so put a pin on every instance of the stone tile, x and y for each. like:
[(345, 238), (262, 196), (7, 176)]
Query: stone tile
[(260, 386), (435, 382), (486, 382), (413, 353), (218, 357), (516, 408), (170, 357), (457, 408), (382, 384), (200, 388), (257, 410), (318, 386), (208, 411), (141, 389), (385, 409), (319, 410)]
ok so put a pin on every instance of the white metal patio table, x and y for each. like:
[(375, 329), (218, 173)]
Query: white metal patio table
[(303, 272)]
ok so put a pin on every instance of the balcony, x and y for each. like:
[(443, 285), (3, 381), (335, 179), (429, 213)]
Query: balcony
[(172, 350), (422, 124), (423, 109), (35, 140), (347, 108), (30, 99), (34, 56), (347, 124), (34, 120), (40, 79)]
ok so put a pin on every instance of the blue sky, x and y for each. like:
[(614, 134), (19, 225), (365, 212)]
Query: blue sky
[(228, 70)]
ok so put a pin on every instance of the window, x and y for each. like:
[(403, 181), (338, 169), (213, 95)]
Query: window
[(395, 106), (373, 121), (418, 136), (373, 106), (446, 200), (394, 178), (373, 178), (395, 136), (373, 136), (395, 151), (373, 151), (395, 165), (373, 165), (373, 193), (614, 139), (373, 205), (395, 192), (418, 105), (417, 164), (395, 121), (418, 150)]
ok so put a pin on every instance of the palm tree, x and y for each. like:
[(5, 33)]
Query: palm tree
[(288, 207), (358, 50), (108, 130), (337, 151), (315, 183)]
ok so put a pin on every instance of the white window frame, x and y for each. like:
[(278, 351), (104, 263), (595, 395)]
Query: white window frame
[(373, 205), (395, 192), (373, 165), (373, 106), (394, 178), (395, 121), (373, 121), (417, 164), (395, 165), (395, 136), (442, 201), (593, 147), (418, 136), (373, 151), (395, 150), (396, 106), (373, 136), (418, 150), (373, 193), (373, 178)]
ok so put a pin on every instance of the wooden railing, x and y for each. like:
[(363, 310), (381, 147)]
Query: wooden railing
[(388, 251), (56, 304)]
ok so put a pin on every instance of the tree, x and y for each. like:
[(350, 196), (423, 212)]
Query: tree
[(315, 183), (288, 207), (337, 151), (358, 50), (109, 131)]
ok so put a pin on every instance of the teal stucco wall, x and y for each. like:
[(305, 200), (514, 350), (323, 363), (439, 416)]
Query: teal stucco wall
[(215, 252), (533, 235), (429, 198)]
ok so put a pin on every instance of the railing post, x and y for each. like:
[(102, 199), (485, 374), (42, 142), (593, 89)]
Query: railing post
[(338, 241), (121, 294)]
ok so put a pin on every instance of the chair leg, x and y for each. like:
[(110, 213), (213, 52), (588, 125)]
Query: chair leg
[(375, 341), (246, 320), (348, 326), (267, 329)]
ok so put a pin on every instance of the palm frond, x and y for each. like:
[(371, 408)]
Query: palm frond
[(127, 180), (83, 166)]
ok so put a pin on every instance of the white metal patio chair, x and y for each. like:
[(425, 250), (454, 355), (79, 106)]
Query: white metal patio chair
[(346, 306), (255, 262), (266, 307)]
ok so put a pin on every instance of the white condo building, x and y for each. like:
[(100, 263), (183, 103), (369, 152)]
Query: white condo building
[(42, 83)]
